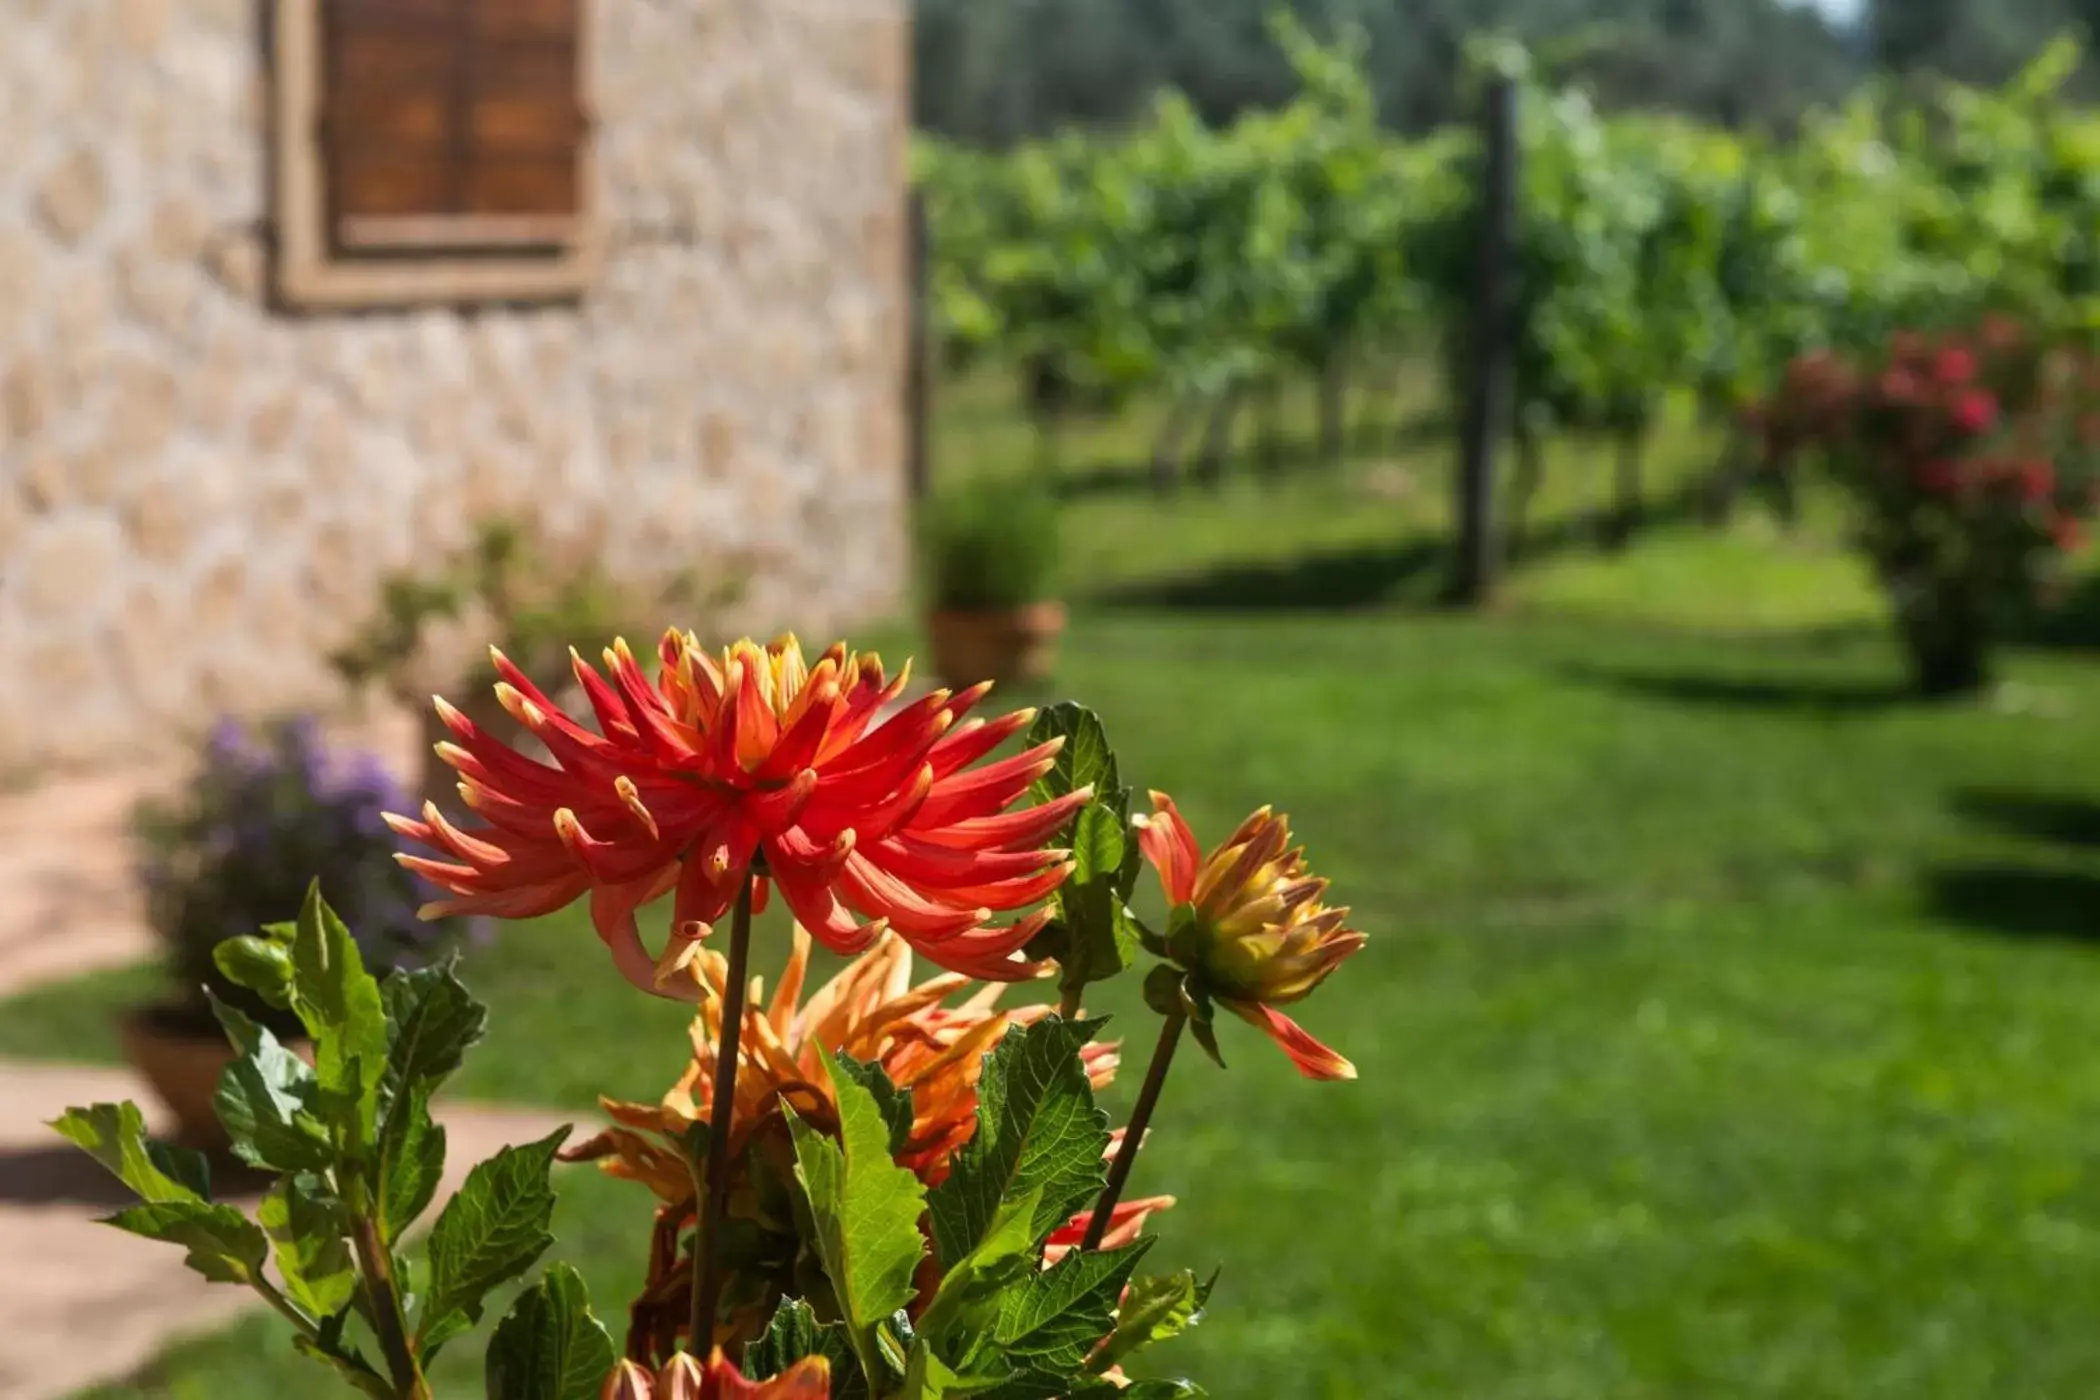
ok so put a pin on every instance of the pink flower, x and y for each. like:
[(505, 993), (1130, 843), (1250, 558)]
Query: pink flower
[(1975, 412), (1954, 365)]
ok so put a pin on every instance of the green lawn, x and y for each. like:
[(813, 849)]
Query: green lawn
[(1726, 1027)]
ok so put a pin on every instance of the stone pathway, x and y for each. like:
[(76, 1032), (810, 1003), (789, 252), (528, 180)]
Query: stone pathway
[(86, 1304)]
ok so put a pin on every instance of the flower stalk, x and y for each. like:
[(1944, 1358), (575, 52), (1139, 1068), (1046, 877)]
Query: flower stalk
[(385, 1299), (714, 1199), (1134, 1134)]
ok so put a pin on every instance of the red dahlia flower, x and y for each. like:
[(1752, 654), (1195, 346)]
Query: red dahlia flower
[(753, 764)]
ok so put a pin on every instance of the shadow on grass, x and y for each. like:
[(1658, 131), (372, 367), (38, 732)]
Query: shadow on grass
[(1801, 695), (1411, 570), (1289, 454), (2072, 625), (2058, 819), (2017, 901)]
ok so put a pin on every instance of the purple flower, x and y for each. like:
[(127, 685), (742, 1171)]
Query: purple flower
[(269, 812)]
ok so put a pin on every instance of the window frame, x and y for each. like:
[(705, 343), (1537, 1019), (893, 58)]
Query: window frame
[(311, 272)]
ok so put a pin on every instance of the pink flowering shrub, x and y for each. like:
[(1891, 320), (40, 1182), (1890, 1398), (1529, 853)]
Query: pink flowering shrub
[(1969, 462)]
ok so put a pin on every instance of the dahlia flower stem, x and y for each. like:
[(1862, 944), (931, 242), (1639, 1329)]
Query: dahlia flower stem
[(707, 1265), (1134, 1134), (1068, 1002), (385, 1298)]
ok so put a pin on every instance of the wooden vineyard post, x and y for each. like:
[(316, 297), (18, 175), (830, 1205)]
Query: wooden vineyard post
[(919, 371), (1489, 349)]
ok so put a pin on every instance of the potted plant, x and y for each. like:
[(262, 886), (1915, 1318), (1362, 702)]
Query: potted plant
[(268, 812), (534, 605), (990, 558), (1969, 461)]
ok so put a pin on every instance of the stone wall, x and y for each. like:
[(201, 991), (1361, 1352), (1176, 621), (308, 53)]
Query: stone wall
[(198, 496)]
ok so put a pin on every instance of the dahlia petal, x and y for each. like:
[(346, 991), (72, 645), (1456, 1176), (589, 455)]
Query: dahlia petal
[(1005, 894), (1171, 847), (605, 702), (777, 810), (908, 733), (1029, 826), (909, 858), (799, 742), (1314, 1060), (817, 907), (877, 893), (972, 740), (990, 953), (981, 792)]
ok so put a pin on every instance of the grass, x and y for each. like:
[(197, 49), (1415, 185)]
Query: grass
[(1725, 1028)]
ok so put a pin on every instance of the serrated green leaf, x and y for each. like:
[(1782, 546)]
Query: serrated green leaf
[(1086, 760), (267, 1100), (339, 1003), (927, 1377), (968, 1299), (1101, 935), (224, 1245), (182, 1166), (548, 1346), (114, 1134), (1037, 1130), (411, 1161), (892, 1102), (432, 1020), (487, 1235), (261, 964), (866, 1210), (309, 1230), (1056, 1321), (1158, 1308), (794, 1334)]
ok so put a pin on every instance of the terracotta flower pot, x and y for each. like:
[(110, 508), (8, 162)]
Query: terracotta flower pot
[(1006, 645), (182, 1056)]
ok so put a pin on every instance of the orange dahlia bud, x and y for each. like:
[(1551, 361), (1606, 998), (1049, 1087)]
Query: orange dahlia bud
[(1248, 928), (753, 763), (684, 1378), (628, 1382)]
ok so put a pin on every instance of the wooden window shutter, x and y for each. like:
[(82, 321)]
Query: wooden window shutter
[(452, 124)]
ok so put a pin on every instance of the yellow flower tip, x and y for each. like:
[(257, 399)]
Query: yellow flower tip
[(453, 754), (518, 707), (398, 824), (446, 710), (1345, 1070), (436, 909), (1054, 746), (1084, 794), (1023, 718)]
